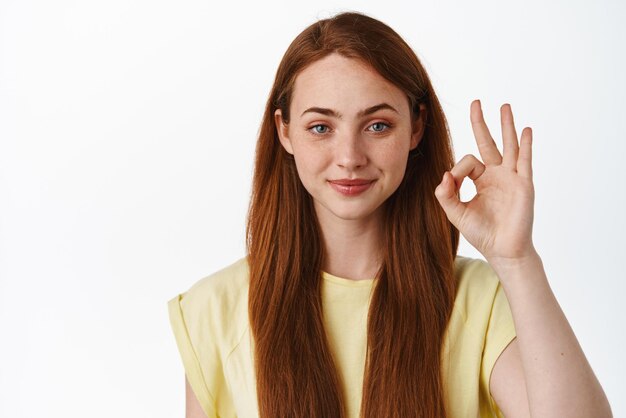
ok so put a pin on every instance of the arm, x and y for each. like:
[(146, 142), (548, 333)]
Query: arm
[(193, 408), (507, 384), (546, 357)]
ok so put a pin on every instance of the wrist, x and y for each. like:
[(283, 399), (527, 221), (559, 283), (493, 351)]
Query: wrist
[(507, 266)]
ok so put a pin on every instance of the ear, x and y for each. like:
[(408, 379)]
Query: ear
[(283, 131), (418, 127)]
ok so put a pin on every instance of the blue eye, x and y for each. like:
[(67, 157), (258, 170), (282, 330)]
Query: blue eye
[(319, 131), (381, 126)]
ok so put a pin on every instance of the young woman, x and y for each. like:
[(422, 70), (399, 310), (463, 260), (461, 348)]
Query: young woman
[(352, 300)]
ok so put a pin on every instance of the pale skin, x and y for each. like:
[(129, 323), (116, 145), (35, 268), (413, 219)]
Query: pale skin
[(543, 372)]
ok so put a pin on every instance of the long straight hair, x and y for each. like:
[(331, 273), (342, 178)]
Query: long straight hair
[(415, 288)]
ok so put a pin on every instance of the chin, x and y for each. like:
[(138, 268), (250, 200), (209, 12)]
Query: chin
[(352, 212), (351, 216)]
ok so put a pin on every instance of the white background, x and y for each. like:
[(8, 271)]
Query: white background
[(127, 131)]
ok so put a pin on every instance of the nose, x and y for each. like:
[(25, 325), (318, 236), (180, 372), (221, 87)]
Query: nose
[(350, 151)]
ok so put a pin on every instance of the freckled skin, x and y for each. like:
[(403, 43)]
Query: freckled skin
[(351, 146)]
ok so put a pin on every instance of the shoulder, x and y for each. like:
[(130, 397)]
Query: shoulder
[(473, 267), (226, 284), (477, 286), (208, 321), (218, 302), (481, 326)]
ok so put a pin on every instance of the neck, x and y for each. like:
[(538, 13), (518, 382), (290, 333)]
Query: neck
[(352, 247)]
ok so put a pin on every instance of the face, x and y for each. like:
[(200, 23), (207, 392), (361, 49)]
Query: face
[(350, 132)]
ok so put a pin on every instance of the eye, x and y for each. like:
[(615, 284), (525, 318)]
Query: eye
[(380, 126), (319, 129)]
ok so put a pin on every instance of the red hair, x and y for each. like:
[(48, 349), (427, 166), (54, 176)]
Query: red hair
[(415, 287)]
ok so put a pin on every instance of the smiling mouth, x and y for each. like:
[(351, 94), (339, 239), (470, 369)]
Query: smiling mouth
[(351, 182), (348, 187)]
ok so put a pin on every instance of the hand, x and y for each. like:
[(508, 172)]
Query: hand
[(498, 220)]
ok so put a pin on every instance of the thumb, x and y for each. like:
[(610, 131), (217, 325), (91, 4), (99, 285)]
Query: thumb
[(446, 194)]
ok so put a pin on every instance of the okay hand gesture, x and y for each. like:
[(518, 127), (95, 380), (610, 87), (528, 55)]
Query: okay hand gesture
[(498, 219)]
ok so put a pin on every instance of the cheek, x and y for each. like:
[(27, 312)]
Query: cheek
[(310, 165), (394, 158)]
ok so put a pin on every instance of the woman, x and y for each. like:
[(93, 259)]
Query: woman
[(352, 300)]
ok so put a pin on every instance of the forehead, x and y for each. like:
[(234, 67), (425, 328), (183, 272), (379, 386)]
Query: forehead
[(344, 84)]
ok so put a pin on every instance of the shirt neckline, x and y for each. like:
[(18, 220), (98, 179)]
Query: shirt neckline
[(346, 282)]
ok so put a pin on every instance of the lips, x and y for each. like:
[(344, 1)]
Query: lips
[(351, 187), (351, 182)]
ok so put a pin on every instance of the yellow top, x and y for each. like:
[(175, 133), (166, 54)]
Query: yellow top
[(210, 324)]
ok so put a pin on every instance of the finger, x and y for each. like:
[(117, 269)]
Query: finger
[(486, 146), (524, 162), (468, 166), (447, 191), (509, 137), (447, 195)]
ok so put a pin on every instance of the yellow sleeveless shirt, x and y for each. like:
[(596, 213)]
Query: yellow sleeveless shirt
[(210, 325)]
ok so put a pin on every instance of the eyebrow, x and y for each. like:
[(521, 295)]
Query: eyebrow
[(334, 113)]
